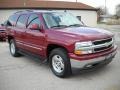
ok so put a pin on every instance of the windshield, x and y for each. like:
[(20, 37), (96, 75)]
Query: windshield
[(61, 20)]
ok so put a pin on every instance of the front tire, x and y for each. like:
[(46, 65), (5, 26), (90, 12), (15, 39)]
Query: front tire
[(60, 63), (13, 49)]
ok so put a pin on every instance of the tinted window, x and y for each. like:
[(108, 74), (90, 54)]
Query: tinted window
[(22, 21), (32, 16), (6, 23), (33, 19), (12, 20)]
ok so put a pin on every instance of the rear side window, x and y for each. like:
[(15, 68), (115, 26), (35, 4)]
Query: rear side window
[(22, 20), (12, 20)]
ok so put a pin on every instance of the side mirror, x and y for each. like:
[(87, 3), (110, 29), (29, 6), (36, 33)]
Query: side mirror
[(34, 27)]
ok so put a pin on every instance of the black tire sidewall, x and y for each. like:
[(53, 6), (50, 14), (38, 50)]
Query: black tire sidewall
[(16, 50), (63, 54)]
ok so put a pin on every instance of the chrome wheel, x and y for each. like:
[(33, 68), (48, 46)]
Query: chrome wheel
[(12, 48), (57, 63)]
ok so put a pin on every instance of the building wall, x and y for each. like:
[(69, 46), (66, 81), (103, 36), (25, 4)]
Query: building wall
[(88, 17)]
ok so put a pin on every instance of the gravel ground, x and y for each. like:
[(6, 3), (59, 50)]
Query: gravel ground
[(26, 73)]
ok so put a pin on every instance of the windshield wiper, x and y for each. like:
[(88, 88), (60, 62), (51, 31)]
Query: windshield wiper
[(63, 26), (76, 25)]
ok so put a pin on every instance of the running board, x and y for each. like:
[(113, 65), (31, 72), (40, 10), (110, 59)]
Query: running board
[(34, 56)]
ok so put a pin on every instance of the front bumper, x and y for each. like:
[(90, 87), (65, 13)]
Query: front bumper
[(83, 63)]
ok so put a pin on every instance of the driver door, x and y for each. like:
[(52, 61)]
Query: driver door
[(35, 39)]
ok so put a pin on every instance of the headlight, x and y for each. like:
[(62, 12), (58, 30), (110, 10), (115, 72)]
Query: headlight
[(83, 47)]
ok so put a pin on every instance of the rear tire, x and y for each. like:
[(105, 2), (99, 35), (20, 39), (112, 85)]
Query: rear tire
[(60, 63), (13, 48)]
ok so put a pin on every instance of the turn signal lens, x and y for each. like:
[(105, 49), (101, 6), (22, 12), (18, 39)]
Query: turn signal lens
[(78, 52)]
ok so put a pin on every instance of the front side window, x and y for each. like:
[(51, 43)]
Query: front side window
[(62, 19), (33, 19), (22, 21)]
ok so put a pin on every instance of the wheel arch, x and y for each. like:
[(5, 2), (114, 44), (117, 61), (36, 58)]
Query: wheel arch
[(51, 47), (9, 38)]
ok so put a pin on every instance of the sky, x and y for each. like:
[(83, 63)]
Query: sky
[(110, 4)]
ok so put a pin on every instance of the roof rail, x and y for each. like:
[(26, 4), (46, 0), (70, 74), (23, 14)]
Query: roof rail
[(18, 12), (23, 11)]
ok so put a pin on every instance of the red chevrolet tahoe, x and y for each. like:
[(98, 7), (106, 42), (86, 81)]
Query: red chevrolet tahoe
[(61, 39)]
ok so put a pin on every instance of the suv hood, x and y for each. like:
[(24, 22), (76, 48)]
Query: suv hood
[(86, 33)]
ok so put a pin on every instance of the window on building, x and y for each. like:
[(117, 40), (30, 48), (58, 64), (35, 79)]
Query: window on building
[(79, 17)]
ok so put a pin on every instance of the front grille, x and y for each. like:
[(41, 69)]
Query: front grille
[(102, 41), (102, 48), (101, 45)]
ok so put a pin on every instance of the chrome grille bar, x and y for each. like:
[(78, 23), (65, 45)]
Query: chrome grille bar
[(106, 44)]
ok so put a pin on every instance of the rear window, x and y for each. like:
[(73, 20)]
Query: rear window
[(22, 20), (12, 20)]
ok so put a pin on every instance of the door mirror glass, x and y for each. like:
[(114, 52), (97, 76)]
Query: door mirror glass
[(34, 27)]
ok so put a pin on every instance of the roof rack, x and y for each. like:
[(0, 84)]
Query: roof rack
[(23, 11), (37, 11)]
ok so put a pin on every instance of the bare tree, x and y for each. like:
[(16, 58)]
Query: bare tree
[(102, 10)]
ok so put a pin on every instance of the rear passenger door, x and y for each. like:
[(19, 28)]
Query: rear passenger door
[(35, 39), (20, 30)]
